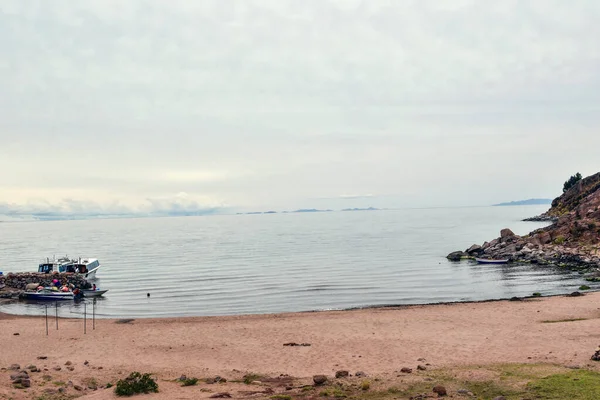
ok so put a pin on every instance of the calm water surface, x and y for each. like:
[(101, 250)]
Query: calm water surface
[(242, 264)]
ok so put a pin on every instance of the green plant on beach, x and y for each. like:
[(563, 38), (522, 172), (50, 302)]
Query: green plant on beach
[(559, 240), (365, 385), (537, 294), (249, 378), (584, 287), (136, 383), (189, 382), (281, 397)]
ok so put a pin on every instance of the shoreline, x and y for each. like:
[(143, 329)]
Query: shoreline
[(358, 308)]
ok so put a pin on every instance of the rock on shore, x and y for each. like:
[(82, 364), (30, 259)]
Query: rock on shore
[(13, 284), (572, 240)]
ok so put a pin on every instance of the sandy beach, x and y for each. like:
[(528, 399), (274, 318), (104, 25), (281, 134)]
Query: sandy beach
[(558, 330)]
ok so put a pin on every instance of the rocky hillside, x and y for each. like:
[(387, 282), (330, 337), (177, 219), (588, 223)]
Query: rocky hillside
[(572, 240)]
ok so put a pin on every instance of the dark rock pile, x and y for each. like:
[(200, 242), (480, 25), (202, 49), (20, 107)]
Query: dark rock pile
[(19, 281)]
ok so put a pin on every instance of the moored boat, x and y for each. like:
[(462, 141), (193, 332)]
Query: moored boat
[(491, 261), (93, 293), (49, 293)]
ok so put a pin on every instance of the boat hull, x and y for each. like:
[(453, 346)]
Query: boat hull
[(50, 297), (94, 293), (484, 261)]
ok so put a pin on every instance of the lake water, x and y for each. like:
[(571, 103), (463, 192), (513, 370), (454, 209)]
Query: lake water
[(241, 264)]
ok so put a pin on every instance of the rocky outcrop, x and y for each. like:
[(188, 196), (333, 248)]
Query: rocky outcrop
[(19, 281), (572, 240)]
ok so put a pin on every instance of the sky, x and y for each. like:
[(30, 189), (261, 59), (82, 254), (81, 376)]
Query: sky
[(149, 106)]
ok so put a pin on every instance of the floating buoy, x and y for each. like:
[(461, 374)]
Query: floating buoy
[(148, 294)]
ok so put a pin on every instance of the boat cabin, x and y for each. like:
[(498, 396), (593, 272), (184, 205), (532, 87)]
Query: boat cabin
[(80, 266)]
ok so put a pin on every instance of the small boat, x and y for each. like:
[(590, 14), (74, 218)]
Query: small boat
[(48, 293), (491, 261), (93, 293)]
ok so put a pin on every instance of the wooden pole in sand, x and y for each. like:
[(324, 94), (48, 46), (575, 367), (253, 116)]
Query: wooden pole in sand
[(56, 305), (46, 305), (94, 314), (84, 318)]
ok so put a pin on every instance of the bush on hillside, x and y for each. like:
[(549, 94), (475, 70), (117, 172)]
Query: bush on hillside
[(571, 182)]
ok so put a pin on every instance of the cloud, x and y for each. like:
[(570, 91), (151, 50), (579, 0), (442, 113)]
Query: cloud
[(356, 196), (178, 205), (274, 102)]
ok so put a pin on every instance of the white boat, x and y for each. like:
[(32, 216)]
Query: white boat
[(48, 293), (82, 266), (86, 267), (491, 261), (93, 293)]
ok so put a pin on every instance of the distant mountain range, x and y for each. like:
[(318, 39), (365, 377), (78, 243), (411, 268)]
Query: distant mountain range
[(307, 210), (525, 202)]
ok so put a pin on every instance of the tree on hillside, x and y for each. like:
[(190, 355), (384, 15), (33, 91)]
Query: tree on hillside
[(571, 182)]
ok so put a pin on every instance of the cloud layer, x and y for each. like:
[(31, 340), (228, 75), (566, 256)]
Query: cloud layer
[(275, 103)]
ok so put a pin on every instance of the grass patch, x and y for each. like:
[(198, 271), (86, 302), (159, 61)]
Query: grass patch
[(550, 321), (136, 383), (189, 382), (249, 378), (584, 287), (333, 392), (490, 389), (365, 385), (576, 385)]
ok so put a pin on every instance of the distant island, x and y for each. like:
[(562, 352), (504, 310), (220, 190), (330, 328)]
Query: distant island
[(525, 202), (361, 209)]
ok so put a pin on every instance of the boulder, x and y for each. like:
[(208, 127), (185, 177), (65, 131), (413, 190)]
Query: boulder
[(506, 233), (32, 286), (319, 379), (342, 374), (440, 391), (406, 370), (456, 255), (474, 249)]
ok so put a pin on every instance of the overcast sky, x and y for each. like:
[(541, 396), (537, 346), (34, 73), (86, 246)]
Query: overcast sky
[(260, 104)]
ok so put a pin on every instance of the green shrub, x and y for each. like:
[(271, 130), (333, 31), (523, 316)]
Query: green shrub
[(559, 240), (136, 383), (537, 294), (365, 385), (584, 287), (189, 382), (571, 182)]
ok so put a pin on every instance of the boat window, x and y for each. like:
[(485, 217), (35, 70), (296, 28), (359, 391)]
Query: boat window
[(93, 265), (61, 269)]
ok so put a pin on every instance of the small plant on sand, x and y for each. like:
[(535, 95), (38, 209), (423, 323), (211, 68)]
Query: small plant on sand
[(584, 287), (249, 378), (136, 383), (189, 382), (537, 294), (333, 392), (559, 240), (365, 385)]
